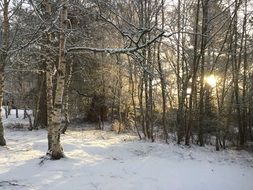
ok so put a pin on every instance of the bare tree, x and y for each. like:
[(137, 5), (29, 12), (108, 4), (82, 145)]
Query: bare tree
[(56, 150), (3, 60)]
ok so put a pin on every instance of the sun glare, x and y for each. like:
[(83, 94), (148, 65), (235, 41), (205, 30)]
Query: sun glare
[(211, 80)]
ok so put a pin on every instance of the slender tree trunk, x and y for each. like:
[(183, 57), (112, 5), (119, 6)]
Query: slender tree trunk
[(245, 76), (119, 98), (162, 80), (182, 74), (3, 60), (66, 96), (147, 71), (194, 79), (49, 74), (236, 65), (220, 102), (180, 118), (2, 139), (49, 105), (140, 96), (132, 89), (114, 92), (56, 150), (146, 95), (40, 113), (29, 118), (150, 105), (205, 6), (250, 114)]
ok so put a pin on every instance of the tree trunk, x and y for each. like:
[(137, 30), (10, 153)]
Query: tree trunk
[(140, 96), (66, 96), (245, 76), (26, 114), (182, 75), (162, 81), (195, 66), (236, 66), (49, 104), (3, 59), (180, 128), (49, 76), (250, 113), (40, 114), (2, 139), (203, 90), (132, 89), (56, 150)]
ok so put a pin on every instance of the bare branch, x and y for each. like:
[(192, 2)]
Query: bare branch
[(115, 50)]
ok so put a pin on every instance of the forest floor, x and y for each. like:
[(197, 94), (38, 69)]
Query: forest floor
[(100, 160)]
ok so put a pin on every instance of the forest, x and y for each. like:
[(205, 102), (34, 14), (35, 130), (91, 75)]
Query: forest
[(176, 72)]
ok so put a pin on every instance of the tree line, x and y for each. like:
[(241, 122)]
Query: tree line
[(165, 69)]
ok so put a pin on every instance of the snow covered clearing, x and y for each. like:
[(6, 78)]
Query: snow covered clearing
[(107, 161)]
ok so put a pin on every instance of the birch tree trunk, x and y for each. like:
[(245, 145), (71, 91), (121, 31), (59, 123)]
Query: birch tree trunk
[(56, 149), (68, 77), (49, 86), (49, 72)]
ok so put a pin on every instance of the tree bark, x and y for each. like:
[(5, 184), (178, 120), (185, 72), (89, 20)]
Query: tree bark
[(56, 150), (162, 80), (236, 66), (68, 77), (40, 113), (245, 76), (3, 60), (195, 66), (203, 90), (2, 139), (49, 74), (132, 89)]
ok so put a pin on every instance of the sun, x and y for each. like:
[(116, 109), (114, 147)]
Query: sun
[(211, 80)]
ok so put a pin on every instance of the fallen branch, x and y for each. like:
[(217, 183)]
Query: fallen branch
[(43, 159), (11, 183)]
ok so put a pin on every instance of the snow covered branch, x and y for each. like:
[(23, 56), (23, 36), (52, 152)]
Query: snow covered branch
[(114, 50)]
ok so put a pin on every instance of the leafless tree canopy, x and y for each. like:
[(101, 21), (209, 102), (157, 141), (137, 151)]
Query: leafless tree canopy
[(163, 69)]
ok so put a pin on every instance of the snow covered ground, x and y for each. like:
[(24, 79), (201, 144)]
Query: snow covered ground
[(99, 160)]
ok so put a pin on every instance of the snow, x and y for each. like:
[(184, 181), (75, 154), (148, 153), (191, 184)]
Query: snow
[(103, 160), (12, 120)]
